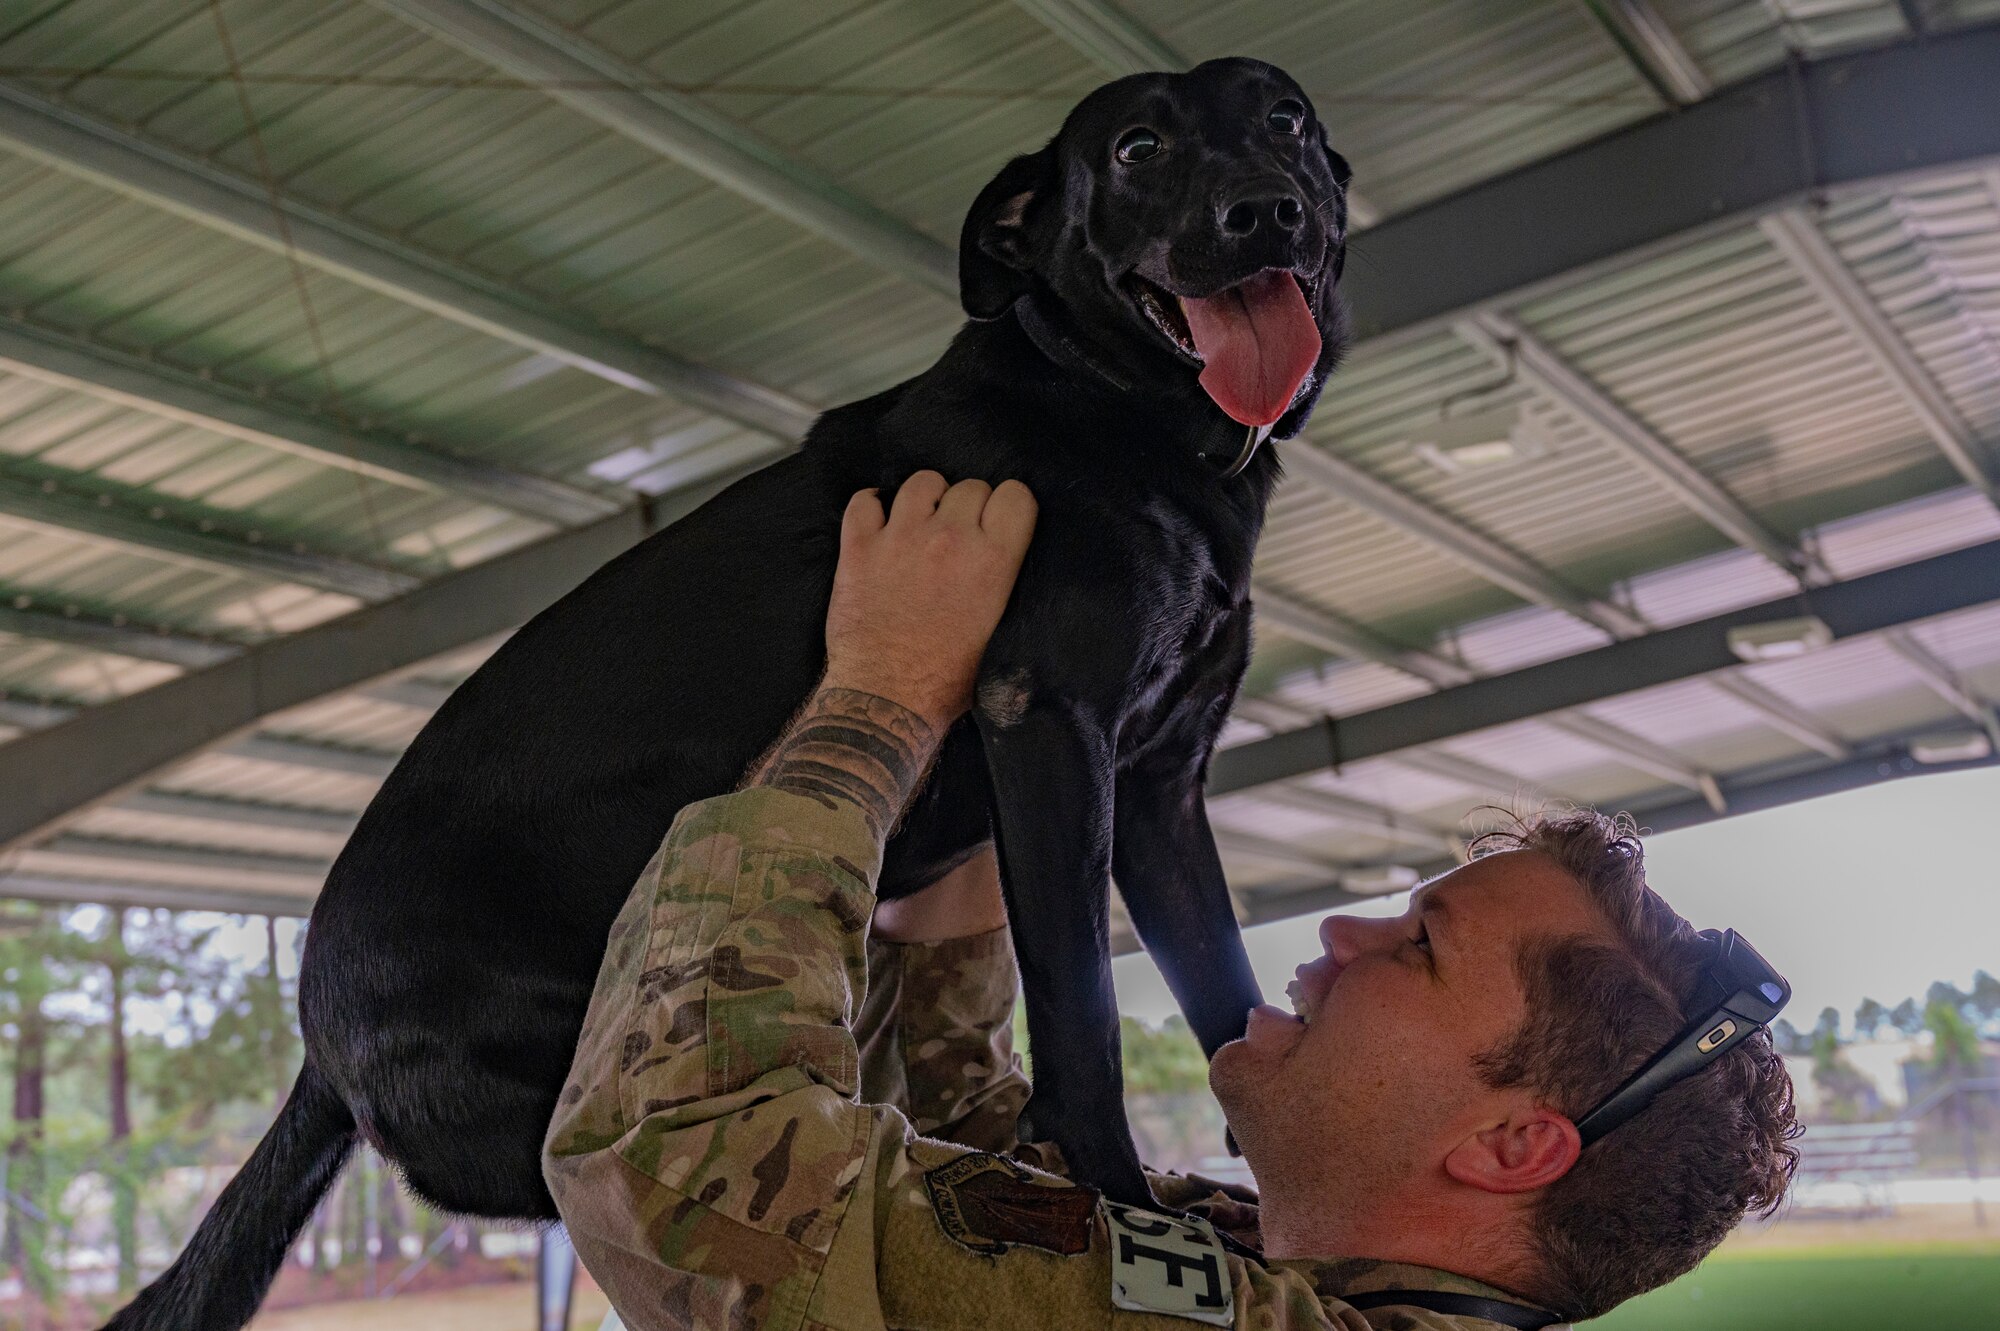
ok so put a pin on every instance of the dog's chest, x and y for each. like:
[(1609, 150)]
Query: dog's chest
[(1188, 604)]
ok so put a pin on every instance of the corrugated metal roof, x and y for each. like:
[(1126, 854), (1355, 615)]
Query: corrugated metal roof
[(1715, 345)]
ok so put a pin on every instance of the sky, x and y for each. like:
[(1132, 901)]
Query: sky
[(1876, 893)]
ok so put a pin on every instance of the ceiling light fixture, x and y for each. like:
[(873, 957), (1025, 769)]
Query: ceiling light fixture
[(1779, 639), (1487, 437), (1952, 746)]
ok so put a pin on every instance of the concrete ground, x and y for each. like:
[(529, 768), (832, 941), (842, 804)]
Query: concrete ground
[(508, 1307)]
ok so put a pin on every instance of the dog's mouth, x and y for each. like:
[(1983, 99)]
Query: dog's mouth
[(1255, 343)]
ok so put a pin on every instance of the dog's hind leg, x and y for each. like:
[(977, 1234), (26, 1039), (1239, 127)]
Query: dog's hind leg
[(1052, 780)]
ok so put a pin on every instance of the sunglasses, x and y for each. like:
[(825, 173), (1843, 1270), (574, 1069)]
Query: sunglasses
[(1739, 993)]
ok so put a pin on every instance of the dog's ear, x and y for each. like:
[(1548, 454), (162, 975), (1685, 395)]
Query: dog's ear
[(996, 249), (1343, 176)]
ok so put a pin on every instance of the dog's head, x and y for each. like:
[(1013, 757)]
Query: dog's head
[(1194, 223)]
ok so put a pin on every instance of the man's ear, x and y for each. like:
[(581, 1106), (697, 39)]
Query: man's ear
[(995, 248), (1531, 1149)]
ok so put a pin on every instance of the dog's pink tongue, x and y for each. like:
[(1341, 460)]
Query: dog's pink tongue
[(1258, 340)]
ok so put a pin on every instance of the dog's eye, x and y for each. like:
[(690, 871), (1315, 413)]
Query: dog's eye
[(1136, 145), (1287, 117)]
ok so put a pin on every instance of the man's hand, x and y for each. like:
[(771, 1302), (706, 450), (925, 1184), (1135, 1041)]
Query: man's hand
[(919, 592), (915, 598)]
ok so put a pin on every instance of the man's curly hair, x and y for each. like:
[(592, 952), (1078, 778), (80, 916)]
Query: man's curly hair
[(1650, 1199)]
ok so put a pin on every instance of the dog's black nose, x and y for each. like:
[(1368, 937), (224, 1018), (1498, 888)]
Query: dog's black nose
[(1279, 210)]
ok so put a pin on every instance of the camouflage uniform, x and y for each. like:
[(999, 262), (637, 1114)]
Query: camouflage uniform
[(718, 1167)]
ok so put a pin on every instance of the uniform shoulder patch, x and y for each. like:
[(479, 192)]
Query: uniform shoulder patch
[(985, 1203), (1164, 1264)]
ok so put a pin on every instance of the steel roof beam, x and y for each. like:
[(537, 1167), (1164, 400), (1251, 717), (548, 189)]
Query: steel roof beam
[(1873, 603), (1869, 117), (1439, 672), (104, 751), (1343, 637), (158, 896), (187, 857), (1649, 44), (31, 714), (1942, 680), (1263, 906), (238, 813), (1272, 713), (1359, 815), (1276, 714), (1813, 257), (1776, 785), (1469, 547), (627, 100), (419, 694), (1783, 715), (1478, 775), (1637, 752), (59, 137), (150, 387), (93, 634), (148, 531), (1506, 341), (1112, 39), (1274, 852), (289, 752), (190, 652)]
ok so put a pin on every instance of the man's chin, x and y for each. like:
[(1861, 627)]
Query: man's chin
[(1235, 1072)]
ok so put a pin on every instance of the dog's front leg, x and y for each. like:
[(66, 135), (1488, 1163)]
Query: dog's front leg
[(1051, 766), (1171, 878)]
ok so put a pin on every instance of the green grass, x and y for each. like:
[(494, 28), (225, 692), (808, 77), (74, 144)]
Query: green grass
[(1935, 1287)]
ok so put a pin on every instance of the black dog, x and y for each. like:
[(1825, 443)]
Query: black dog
[(1150, 292)]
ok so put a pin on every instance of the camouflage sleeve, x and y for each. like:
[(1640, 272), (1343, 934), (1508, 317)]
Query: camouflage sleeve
[(937, 1038), (708, 1138)]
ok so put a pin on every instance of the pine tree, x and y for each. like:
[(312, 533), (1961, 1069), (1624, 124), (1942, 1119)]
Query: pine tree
[(1907, 1017), (118, 1093), (35, 957)]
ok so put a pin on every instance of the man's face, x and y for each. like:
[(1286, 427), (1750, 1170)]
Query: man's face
[(1366, 1095)]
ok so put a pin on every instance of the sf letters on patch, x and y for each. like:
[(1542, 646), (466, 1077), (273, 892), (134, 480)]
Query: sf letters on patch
[(1163, 1265)]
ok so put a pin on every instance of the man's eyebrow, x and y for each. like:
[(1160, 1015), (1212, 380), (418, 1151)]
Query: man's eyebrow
[(1436, 913)]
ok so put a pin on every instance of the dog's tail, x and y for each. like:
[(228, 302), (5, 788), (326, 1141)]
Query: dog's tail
[(223, 1273)]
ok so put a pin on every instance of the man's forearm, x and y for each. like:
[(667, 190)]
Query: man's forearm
[(870, 751)]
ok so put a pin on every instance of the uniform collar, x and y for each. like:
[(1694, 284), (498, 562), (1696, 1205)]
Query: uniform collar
[(1232, 1209), (1339, 1277)]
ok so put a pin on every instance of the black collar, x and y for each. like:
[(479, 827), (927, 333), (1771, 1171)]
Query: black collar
[(1059, 345)]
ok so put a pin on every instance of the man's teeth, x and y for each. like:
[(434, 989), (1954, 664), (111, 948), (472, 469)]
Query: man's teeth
[(1296, 992)]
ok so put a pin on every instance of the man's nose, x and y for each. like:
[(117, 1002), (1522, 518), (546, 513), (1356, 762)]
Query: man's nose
[(1346, 937), (1273, 209)]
